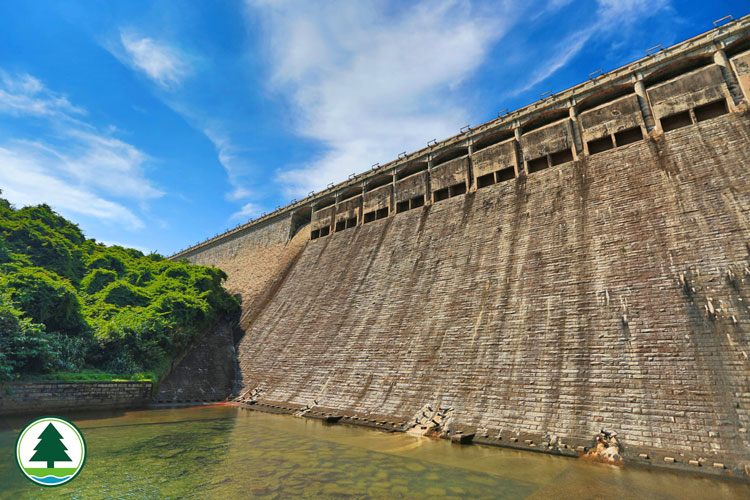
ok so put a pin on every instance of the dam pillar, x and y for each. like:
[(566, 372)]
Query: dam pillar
[(520, 165), (469, 169), (643, 102), (428, 184), (722, 61), (740, 64), (573, 112)]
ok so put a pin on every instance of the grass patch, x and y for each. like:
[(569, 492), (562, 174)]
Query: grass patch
[(88, 376)]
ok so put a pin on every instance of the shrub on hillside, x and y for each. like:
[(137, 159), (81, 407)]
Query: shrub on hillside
[(45, 297), (97, 280), (24, 347)]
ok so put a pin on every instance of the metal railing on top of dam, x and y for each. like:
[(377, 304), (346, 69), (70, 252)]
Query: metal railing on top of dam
[(556, 129)]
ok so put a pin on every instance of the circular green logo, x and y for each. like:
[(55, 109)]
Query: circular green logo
[(50, 451)]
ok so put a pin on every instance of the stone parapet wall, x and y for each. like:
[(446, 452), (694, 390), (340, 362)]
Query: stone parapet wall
[(272, 233), (40, 398)]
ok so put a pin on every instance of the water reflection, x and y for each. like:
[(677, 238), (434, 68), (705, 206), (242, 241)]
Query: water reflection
[(224, 452)]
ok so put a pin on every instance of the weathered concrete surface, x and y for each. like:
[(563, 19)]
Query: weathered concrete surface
[(610, 292), (207, 373), (254, 270), (594, 279)]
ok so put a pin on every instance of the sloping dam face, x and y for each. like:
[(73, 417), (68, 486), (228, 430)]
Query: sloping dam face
[(605, 286), (549, 306)]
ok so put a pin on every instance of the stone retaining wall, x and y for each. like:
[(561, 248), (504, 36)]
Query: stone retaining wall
[(54, 397)]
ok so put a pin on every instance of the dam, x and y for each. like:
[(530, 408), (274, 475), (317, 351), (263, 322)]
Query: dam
[(576, 266)]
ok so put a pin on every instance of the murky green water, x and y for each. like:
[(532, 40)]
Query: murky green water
[(224, 452)]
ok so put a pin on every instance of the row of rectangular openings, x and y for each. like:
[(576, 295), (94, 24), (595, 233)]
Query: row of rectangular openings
[(498, 176), (629, 136), (319, 233), (557, 158), (346, 223), (381, 213), (702, 113), (450, 192), (403, 206)]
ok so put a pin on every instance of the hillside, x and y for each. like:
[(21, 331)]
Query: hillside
[(69, 304)]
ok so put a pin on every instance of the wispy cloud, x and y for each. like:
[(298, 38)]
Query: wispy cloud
[(71, 165), (612, 17), (248, 211), (235, 163), (162, 63), (561, 56), (109, 164), (25, 95), (168, 67), (369, 81), (29, 177)]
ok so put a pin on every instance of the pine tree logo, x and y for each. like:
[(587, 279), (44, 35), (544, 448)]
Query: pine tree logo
[(50, 451), (50, 448)]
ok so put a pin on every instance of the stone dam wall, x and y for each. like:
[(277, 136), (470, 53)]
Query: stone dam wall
[(583, 263), (43, 398)]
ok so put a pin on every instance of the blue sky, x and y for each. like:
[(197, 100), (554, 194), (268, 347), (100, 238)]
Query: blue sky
[(158, 124)]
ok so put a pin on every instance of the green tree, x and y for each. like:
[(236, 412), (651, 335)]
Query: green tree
[(50, 448), (70, 303)]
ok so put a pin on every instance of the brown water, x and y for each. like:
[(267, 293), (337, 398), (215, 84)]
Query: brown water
[(225, 452)]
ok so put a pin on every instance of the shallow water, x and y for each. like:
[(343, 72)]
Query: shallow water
[(224, 452)]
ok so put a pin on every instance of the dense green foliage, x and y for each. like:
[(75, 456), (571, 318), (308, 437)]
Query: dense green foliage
[(69, 304)]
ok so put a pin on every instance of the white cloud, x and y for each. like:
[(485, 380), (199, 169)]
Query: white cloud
[(109, 164), (369, 83), (71, 165), (162, 63), (248, 211), (25, 95), (30, 178)]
